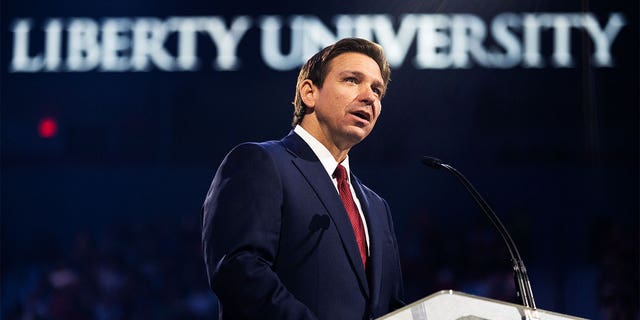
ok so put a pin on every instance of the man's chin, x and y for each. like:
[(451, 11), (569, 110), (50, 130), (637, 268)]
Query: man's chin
[(357, 134)]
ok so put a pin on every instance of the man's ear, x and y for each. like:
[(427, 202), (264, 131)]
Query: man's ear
[(308, 92)]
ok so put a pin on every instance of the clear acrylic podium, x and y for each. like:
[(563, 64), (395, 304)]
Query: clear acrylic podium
[(453, 305)]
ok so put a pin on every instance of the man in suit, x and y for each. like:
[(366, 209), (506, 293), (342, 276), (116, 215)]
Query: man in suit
[(288, 232)]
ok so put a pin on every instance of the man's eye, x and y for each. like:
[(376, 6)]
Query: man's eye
[(377, 91), (351, 79)]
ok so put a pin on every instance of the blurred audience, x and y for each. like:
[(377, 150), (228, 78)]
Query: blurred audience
[(615, 253), (125, 272), (155, 271)]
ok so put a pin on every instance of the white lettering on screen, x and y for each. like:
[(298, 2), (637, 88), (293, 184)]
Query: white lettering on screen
[(440, 41)]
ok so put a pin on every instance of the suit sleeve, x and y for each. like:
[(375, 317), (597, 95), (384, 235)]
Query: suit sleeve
[(240, 235)]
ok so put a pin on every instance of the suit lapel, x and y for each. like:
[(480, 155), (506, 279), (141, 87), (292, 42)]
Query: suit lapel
[(374, 264), (315, 174)]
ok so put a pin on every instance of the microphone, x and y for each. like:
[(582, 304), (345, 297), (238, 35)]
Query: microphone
[(523, 286), (319, 222)]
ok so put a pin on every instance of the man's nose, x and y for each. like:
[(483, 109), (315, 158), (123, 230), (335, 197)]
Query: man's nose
[(367, 95)]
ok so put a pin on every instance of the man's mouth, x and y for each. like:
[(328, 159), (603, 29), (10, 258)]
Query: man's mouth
[(362, 115)]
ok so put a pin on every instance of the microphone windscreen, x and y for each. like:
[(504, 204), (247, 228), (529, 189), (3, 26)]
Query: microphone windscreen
[(432, 162)]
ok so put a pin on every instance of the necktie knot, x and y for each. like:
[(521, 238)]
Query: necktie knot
[(340, 173)]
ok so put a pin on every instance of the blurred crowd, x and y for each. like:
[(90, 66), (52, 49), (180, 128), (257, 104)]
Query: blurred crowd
[(615, 252), (155, 271), (152, 271), (474, 260)]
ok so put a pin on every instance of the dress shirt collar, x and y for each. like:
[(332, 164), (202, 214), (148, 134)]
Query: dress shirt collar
[(326, 158)]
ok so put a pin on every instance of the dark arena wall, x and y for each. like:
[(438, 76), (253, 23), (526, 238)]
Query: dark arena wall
[(115, 116)]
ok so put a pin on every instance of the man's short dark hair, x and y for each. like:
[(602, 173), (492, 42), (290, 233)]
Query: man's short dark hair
[(317, 67)]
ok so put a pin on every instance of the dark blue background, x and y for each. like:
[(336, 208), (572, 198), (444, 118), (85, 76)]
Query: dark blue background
[(119, 188)]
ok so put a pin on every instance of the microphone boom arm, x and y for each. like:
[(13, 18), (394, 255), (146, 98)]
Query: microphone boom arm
[(523, 285)]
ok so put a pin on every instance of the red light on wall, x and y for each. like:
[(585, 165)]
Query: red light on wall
[(48, 128)]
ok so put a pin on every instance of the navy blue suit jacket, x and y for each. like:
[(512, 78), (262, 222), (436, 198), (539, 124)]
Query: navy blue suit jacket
[(278, 243)]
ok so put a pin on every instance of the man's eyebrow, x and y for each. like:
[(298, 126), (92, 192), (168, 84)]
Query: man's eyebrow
[(351, 72)]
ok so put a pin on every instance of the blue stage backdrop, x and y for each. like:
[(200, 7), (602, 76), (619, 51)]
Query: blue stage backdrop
[(116, 114)]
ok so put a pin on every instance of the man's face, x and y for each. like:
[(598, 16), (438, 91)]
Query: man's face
[(348, 104)]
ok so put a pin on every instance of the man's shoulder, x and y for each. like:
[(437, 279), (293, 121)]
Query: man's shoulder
[(251, 152), (254, 146), (290, 145)]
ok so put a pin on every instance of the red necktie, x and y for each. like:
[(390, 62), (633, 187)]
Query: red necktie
[(352, 211)]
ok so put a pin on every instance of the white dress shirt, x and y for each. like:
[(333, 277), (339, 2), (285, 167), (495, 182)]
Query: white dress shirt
[(330, 164)]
